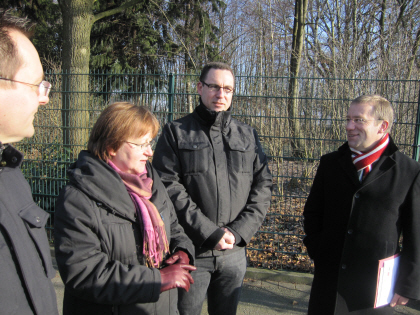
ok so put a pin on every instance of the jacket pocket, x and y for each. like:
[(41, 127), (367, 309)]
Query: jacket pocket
[(313, 246), (241, 156), (35, 219), (194, 156), (123, 240), (14, 294)]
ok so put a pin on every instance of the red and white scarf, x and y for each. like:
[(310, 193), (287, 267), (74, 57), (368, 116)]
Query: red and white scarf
[(364, 161)]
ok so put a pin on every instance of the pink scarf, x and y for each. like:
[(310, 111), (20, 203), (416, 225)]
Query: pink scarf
[(364, 161), (155, 241)]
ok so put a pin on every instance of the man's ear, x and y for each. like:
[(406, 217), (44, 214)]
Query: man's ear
[(384, 126), (199, 87)]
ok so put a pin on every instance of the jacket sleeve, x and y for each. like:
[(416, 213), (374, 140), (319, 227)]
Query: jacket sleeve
[(313, 214), (197, 226), (247, 223), (408, 282), (179, 240), (83, 262)]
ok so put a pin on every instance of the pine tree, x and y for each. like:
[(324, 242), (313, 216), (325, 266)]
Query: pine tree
[(47, 17)]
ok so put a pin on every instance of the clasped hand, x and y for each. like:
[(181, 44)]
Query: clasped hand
[(227, 241), (177, 272)]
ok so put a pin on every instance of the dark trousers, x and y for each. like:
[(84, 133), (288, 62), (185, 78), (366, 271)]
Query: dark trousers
[(221, 278)]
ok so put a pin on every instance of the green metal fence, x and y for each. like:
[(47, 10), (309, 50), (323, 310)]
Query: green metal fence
[(294, 143)]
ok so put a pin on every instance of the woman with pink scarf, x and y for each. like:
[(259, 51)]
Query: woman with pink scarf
[(119, 247)]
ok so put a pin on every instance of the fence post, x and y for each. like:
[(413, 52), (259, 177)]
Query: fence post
[(416, 143), (171, 91)]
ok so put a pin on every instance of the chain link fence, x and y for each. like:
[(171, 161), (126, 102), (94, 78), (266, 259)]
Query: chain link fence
[(294, 134)]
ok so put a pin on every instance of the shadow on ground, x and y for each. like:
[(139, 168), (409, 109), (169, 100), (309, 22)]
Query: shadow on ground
[(262, 297), (268, 298)]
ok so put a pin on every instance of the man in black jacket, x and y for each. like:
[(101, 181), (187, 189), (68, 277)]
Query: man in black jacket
[(217, 176), (363, 197), (25, 260)]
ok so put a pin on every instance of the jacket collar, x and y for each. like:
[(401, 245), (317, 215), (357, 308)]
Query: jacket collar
[(101, 183), (385, 162), (10, 156), (212, 118)]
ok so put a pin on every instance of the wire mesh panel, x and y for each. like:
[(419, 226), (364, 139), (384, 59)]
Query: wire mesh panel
[(320, 111), (294, 133)]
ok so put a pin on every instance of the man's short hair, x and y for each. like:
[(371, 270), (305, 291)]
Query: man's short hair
[(117, 123), (382, 108), (215, 65), (10, 61)]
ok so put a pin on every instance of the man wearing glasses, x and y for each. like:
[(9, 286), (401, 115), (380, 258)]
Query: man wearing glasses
[(25, 260), (217, 176), (364, 196)]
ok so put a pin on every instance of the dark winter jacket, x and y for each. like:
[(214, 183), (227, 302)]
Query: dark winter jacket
[(350, 226), (217, 176), (99, 244), (25, 259)]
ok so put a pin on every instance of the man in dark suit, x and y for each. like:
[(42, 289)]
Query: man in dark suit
[(364, 197), (25, 259)]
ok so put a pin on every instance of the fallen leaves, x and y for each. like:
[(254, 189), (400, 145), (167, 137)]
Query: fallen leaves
[(278, 244)]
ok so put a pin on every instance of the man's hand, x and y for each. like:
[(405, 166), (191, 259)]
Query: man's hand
[(230, 237), (227, 241), (398, 300)]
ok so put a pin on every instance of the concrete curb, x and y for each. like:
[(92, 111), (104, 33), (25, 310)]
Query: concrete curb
[(279, 276)]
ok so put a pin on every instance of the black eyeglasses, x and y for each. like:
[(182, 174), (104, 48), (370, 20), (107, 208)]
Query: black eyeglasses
[(216, 88), (44, 87)]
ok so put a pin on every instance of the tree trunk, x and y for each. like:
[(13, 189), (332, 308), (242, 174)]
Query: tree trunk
[(77, 24), (78, 19), (296, 135)]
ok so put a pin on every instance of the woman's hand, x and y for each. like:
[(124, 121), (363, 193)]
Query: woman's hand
[(176, 276), (179, 257)]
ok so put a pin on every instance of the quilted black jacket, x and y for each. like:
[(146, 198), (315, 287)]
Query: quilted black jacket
[(99, 244), (217, 176)]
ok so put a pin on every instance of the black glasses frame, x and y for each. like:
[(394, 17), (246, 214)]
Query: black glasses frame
[(216, 88)]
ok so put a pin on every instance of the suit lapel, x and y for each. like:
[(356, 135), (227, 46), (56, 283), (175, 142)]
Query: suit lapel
[(384, 164), (347, 165)]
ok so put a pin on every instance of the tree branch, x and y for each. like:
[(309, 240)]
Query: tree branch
[(173, 28), (115, 10)]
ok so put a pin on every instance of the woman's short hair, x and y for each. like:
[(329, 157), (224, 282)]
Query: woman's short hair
[(117, 123)]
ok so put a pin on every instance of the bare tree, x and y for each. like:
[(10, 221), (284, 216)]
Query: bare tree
[(297, 141)]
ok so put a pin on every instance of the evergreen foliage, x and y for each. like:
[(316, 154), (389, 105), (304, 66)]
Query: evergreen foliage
[(155, 35), (193, 24), (136, 39), (47, 16), (152, 36)]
